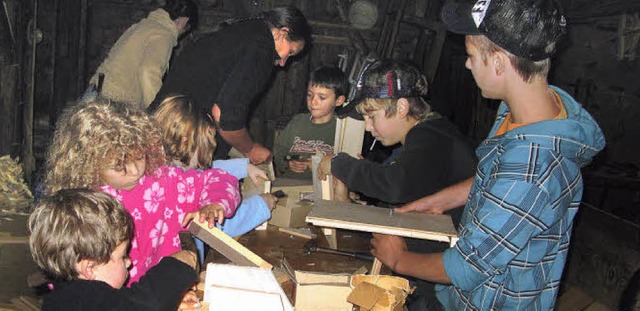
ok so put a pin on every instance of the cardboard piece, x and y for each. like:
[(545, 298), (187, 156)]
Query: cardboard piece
[(226, 245), (379, 292), (230, 287), (290, 212), (322, 291)]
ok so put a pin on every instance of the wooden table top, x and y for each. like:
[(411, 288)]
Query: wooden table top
[(273, 245)]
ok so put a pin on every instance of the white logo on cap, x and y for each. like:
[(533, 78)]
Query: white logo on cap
[(479, 11)]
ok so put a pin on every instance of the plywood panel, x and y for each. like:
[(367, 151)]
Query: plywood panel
[(379, 220)]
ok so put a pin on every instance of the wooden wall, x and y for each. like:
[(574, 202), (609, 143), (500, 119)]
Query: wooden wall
[(598, 63)]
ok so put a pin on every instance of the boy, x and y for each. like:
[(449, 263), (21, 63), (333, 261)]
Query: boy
[(308, 132), (434, 154), (515, 230), (80, 239), (136, 63)]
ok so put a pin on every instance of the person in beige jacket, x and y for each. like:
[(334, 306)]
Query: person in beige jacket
[(136, 63)]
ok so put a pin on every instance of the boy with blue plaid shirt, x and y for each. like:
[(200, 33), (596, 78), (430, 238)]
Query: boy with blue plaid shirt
[(516, 226)]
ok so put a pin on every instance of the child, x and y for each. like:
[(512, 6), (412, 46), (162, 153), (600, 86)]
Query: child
[(434, 154), (308, 132), (117, 147), (188, 137), (80, 237), (515, 231)]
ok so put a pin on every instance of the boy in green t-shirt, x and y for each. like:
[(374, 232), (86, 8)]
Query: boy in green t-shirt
[(308, 132)]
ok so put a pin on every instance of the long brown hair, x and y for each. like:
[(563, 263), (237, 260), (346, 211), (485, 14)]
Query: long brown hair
[(186, 130)]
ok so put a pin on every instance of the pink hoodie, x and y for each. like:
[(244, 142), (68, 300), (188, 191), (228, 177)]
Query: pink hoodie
[(159, 203)]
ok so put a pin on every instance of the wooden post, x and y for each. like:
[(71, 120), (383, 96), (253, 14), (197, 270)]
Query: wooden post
[(376, 267), (28, 159)]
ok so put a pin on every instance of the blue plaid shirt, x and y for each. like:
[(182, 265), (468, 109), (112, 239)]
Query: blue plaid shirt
[(516, 228)]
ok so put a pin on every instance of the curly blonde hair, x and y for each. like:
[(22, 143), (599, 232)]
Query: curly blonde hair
[(186, 130), (96, 135)]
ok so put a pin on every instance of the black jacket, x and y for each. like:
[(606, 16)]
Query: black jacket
[(435, 155), (229, 67), (161, 288)]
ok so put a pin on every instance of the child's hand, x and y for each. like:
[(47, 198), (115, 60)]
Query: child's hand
[(299, 166), (211, 213), (270, 200), (190, 301), (324, 168), (254, 173), (340, 191), (188, 257)]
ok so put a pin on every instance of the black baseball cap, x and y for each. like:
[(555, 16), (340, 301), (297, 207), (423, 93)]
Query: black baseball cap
[(387, 79), (530, 29)]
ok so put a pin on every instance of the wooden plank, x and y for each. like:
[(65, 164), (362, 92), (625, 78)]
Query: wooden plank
[(332, 237), (307, 234), (14, 239), (227, 246), (349, 136), (373, 219), (376, 267)]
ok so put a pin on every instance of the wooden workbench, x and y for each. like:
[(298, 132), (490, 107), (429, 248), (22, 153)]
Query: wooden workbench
[(273, 245)]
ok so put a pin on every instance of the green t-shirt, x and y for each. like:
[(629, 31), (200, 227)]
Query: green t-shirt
[(301, 137)]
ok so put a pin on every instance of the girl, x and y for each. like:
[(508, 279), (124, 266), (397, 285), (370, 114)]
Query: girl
[(116, 147), (188, 137)]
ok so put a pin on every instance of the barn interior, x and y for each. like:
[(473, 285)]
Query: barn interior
[(51, 48)]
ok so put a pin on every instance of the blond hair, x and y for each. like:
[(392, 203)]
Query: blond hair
[(186, 130), (526, 69), (418, 107), (96, 135), (76, 224)]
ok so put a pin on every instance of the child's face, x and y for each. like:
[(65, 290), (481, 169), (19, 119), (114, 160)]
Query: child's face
[(321, 102), (483, 72), (387, 130), (126, 179), (116, 271)]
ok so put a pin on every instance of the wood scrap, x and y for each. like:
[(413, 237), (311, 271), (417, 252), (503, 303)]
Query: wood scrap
[(307, 234), (15, 196), (226, 245)]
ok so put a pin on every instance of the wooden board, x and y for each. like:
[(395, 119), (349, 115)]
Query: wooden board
[(373, 219), (226, 245), (349, 136)]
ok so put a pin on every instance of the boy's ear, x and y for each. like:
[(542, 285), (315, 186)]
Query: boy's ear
[(499, 62), (85, 269), (402, 108), (340, 100)]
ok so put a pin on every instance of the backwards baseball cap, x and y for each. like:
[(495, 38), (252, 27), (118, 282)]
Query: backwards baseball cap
[(387, 79), (529, 29)]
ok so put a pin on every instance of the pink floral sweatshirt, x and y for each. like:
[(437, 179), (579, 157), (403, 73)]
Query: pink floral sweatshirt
[(159, 203)]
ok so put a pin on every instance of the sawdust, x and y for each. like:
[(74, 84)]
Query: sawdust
[(15, 196)]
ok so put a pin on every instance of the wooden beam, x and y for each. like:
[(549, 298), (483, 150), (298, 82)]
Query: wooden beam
[(227, 246)]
